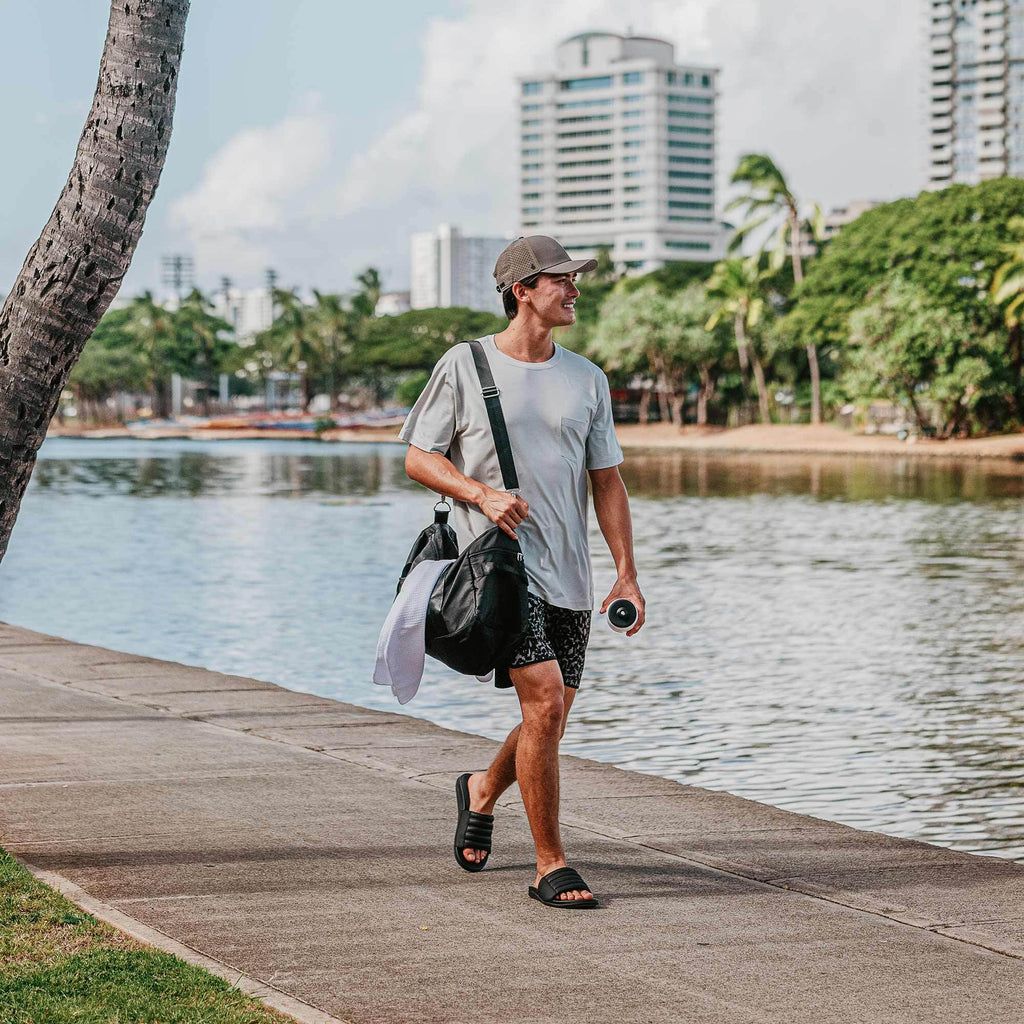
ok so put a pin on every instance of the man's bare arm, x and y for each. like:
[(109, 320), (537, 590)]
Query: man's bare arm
[(611, 503), (433, 470)]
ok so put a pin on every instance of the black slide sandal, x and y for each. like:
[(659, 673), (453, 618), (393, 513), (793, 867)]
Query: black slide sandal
[(474, 829), (554, 883)]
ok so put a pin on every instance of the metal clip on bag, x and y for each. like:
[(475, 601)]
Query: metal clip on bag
[(478, 608)]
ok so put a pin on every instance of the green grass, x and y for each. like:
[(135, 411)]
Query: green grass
[(59, 965)]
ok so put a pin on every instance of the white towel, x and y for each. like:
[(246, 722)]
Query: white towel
[(401, 647)]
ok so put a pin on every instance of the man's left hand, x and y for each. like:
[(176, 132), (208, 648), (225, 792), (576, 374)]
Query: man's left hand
[(626, 589)]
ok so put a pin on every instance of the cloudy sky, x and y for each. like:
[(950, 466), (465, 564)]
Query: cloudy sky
[(315, 135)]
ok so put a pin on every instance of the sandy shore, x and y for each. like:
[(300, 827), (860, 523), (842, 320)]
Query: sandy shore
[(775, 439)]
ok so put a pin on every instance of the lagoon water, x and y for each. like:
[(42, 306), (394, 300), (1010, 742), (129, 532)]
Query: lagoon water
[(838, 636)]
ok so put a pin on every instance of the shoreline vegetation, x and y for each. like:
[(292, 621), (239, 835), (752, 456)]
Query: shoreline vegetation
[(59, 963), (759, 439)]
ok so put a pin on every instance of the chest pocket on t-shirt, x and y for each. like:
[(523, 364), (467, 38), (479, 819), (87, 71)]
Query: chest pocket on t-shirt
[(573, 441)]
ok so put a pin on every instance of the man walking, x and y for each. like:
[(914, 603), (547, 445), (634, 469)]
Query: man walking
[(557, 409)]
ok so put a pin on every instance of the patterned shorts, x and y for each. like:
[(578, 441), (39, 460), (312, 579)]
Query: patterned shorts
[(552, 634)]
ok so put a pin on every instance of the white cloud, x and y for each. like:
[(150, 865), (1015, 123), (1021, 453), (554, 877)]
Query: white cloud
[(832, 91), (253, 190)]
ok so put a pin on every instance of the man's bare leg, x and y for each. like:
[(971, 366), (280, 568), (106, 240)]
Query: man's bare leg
[(535, 742), (486, 787)]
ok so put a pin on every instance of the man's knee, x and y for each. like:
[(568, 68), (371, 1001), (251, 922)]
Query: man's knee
[(541, 694)]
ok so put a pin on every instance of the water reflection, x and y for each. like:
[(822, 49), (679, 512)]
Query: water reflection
[(840, 636)]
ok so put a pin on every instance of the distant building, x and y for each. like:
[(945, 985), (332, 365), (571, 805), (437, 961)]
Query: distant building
[(392, 304), (618, 149), (248, 312), (976, 90), (451, 269), (840, 216)]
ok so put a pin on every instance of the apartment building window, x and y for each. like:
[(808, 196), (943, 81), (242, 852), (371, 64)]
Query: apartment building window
[(673, 243), (634, 204), (583, 149), (587, 133), (573, 179), (531, 152), (700, 160), (705, 80), (692, 115), (706, 101), (685, 144), (527, 210), (633, 77), (690, 129), (590, 208), (631, 188), (532, 88), (633, 97), (634, 264), (536, 195), (631, 158), (585, 119), (632, 113), (532, 167), (532, 122), (635, 243), (580, 104), (631, 128), (573, 164), (699, 175), (633, 143), (687, 190), (535, 181), (598, 82), (532, 106), (675, 204), (595, 193), (632, 174), (532, 137)]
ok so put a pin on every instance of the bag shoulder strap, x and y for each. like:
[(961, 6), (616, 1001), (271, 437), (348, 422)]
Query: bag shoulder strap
[(497, 418)]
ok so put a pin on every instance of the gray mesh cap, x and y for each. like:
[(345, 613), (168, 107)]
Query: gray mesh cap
[(535, 254)]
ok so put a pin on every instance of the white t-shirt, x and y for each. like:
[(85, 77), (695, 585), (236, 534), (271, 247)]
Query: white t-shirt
[(559, 419)]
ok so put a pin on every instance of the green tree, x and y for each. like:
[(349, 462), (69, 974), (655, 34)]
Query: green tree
[(905, 348), (202, 342), (1008, 291), (770, 202), (949, 244), (736, 293), (334, 329), (417, 339), (109, 363), (291, 340), (154, 336)]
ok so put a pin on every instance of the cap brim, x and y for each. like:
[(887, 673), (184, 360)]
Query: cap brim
[(571, 267)]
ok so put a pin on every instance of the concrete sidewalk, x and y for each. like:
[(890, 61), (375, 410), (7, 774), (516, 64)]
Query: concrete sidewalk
[(305, 845)]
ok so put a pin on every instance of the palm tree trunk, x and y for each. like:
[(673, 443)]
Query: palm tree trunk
[(704, 395), (744, 346), (644, 412), (796, 239), (812, 362), (76, 266), (741, 344)]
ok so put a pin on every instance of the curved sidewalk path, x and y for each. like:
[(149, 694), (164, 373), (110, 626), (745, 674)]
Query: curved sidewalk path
[(303, 848)]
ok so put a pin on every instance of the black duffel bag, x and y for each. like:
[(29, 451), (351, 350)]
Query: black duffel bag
[(478, 607)]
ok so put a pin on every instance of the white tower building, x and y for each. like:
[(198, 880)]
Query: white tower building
[(976, 90), (451, 269), (618, 149)]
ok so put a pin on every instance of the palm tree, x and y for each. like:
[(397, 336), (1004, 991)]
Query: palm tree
[(153, 330), (1008, 291), (77, 264), (735, 292), (203, 337), (770, 201), (292, 341), (333, 327)]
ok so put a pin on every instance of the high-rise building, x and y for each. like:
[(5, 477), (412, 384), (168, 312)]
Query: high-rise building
[(248, 312), (976, 90), (618, 149), (451, 269)]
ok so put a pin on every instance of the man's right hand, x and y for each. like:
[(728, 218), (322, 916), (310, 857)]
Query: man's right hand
[(504, 509)]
